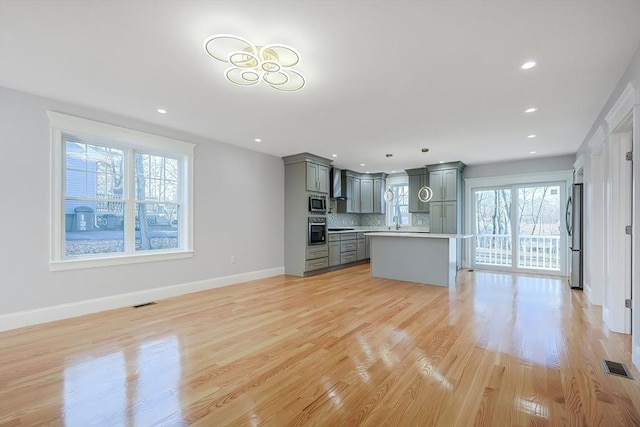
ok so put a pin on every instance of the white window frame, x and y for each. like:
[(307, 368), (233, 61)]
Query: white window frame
[(399, 179), (129, 140)]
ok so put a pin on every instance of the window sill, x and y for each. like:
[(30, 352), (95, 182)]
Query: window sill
[(74, 264)]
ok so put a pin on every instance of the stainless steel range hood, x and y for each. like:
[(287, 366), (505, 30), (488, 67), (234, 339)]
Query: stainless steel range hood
[(336, 184)]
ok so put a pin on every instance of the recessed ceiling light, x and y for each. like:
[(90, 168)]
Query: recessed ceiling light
[(530, 110), (257, 140), (362, 164), (528, 64), (531, 136), (162, 111), (334, 155), (532, 152)]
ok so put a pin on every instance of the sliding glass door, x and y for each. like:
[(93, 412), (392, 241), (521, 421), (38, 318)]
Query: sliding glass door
[(519, 227)]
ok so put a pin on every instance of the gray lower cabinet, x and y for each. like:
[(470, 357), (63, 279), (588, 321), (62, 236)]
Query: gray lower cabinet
[(316, 264), (361, 251), (361, 246), (347, 257), (317, 258), (348, 247), (334, 252)]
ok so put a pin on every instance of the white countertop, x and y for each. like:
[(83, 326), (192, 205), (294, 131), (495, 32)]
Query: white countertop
[(420, 235), (364, 229)]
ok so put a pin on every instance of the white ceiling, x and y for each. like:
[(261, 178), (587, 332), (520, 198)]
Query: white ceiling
[(383, 76)]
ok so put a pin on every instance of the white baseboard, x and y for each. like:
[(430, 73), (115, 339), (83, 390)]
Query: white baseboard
[(605, 316), (635, 356), (586, 288), (64, 311)]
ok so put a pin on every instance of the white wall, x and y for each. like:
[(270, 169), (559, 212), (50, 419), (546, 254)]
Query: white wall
[(239, 210), (602, 181)]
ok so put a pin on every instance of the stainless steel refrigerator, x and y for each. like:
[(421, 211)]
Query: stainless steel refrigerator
[(574, 217)]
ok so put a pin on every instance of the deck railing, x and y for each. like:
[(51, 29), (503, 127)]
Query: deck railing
[(535, 252)]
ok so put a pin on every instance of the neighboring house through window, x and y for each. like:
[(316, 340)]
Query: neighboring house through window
[(119, 196)]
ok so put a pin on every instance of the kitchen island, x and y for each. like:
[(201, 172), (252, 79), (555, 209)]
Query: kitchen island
[(415, 257)]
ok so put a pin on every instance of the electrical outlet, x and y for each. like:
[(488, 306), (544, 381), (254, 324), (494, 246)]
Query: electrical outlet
[(233, 259)]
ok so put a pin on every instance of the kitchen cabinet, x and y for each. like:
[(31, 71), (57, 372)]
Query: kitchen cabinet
[(446, 204), (304, 174), (350, 190), (366, 195), (348, 248), (317, 177), (361, 247), (444, 184), (444, 218), (334, 253), (363, 192), (379, 187), (418, 178), (367, 240)]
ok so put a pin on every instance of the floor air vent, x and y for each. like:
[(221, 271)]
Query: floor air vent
[(615, 368), (143, 305)]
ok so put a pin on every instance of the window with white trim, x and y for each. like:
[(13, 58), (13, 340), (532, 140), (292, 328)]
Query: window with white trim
[(118, 195)]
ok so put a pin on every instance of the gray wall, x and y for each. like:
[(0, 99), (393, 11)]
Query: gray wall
[(520, 167), (226, 220)]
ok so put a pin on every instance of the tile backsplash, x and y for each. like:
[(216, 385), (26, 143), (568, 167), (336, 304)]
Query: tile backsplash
[(371, 220)]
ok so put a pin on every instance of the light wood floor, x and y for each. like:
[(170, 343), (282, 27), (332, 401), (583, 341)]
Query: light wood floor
[(332, 350)]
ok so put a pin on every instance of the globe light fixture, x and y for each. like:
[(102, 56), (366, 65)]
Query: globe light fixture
[(250, 64)]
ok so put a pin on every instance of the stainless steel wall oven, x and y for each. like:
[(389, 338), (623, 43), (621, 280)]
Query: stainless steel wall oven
[(317, 231)]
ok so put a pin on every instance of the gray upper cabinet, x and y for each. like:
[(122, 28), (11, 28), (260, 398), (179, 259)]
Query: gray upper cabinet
[(366, 195), (379, 187), (354, 195), (317, 178), (418, 178), (444, 184), (363, 192)]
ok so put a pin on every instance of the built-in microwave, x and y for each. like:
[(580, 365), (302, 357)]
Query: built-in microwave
[(317, 231), (318, 204)]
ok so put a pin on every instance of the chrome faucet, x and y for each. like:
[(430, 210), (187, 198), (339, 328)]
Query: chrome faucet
[(395, 221)]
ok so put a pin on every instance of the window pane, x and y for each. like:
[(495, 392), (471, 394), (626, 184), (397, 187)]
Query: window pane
[(400, 205), (157, 226), (90, 232), (539, 227), (156, 178), (93, 171), (493, 227)]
